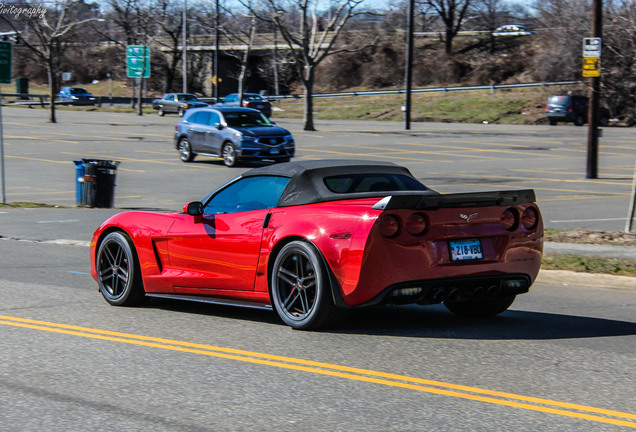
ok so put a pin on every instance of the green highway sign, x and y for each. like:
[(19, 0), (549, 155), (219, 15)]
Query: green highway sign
[(138, 61), (6, 49)]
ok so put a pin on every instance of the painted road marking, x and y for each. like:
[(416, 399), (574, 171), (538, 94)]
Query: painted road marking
[(394, 380)]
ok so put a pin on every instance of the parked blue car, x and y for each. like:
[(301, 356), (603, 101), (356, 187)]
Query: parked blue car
[(76, 96)]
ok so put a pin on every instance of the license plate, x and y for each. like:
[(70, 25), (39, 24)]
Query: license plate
[(274, 151), (465, 250), (259, 106)]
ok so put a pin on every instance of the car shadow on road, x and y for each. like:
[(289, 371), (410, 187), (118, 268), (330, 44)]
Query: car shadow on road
[(433, 322), (437, 323)]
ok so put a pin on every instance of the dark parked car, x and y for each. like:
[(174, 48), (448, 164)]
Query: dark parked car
[(76, 96), (177, 103), (250, 100), (571, 108), (233, 134)]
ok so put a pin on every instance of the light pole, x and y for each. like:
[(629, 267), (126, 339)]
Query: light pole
[(216, 53), (185, 48), (409, 67)]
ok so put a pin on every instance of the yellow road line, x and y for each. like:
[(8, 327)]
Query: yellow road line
[(365, 375)]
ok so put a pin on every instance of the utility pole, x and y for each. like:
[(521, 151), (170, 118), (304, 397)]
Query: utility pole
[(409, 67), (216, 53), (594, 94), (184, 44)]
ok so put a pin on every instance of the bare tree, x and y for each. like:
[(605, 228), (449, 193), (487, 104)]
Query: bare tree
[(309, 35), (563, 25), (452, 13), (490, 15), (619, 59), (49, 34)]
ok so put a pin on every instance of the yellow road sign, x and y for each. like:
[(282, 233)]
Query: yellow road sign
[(591, 67)]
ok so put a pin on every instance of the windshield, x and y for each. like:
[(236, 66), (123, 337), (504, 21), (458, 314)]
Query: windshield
[(559, 100), (246, 119), (78, 90), (187, 97)]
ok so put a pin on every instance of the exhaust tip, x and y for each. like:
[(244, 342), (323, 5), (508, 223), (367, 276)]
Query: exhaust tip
[(492, 291)]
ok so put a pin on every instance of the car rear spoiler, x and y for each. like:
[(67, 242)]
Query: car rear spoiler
[(457, 200)]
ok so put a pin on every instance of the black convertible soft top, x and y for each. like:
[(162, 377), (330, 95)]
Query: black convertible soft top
[(307, 185)]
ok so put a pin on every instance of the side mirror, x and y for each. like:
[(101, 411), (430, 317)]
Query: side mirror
[(219, 126), (194, 209)]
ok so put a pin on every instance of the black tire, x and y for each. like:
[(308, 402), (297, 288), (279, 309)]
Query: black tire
[(161, 112), (300, 290), (552, 122), (579, 120), (229, 155), (180, 112), (185, 150), (604, 122), (482, 307), (118, 271)]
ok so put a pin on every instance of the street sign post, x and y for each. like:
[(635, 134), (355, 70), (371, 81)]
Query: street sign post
[(6, 52), (138, 61), (592, 57)]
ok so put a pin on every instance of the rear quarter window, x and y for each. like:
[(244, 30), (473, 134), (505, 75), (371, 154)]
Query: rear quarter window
[(352, 183)]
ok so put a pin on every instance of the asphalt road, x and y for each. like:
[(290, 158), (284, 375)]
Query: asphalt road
[(447, 157), (560, 359)]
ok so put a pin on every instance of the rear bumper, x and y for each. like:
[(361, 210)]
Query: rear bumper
[(433, 291)]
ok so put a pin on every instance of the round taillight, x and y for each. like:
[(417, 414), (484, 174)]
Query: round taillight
[(510, 219), (529, 218), (389, 226), (416, 224)]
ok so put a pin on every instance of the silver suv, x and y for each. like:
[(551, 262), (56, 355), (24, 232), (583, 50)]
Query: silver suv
[(232, 133)]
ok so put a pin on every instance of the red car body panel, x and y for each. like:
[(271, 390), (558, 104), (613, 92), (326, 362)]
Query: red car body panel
[(228, 255)]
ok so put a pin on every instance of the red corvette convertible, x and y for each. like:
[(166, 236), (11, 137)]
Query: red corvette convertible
[(311, 239)]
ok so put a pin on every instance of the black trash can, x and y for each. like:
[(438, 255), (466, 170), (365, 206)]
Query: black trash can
[(22, 87), (99, 183)]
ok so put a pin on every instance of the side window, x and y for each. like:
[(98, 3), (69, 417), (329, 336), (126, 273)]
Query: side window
[(194, 118), (214, 119), (251, 193), (231, 98)]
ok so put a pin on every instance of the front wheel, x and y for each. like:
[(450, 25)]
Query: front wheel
[(161, 112), (482, 307), (300, 287), (180, 112), (229, 155), (118, 271)]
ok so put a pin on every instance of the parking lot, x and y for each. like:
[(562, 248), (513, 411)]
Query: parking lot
[(447, 157)]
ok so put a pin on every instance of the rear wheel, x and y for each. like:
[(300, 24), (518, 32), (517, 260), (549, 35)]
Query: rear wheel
[(579, 120), (482, 307), (118, 271), (300, 287), (185, 150), (552, 122)]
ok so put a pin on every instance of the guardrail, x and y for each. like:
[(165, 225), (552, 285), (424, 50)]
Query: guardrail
[(491, 88), (100, 100)]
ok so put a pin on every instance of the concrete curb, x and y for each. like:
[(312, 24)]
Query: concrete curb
[(592, 280)]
